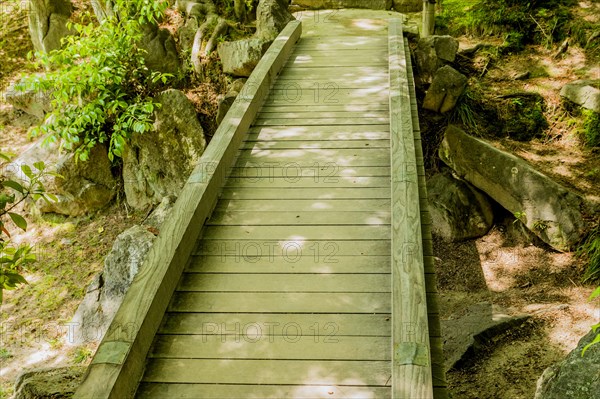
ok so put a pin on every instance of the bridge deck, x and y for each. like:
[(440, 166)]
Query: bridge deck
[(288, 294)]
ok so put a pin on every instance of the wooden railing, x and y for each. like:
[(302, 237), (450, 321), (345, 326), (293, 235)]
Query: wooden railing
[(411, 354), (119, 361)]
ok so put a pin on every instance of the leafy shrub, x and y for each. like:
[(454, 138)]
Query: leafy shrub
[(520, 22), (101, 87), (12, 193)]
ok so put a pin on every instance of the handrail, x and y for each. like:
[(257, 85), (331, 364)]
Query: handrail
[(411, 354), (118, 365)]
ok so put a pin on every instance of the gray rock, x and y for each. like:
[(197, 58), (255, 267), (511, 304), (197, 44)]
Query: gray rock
[(239, 58), (161, 51), (447, 86), (332, 4), (187, 32), (48, 23), (32, 101), (271, 17), (466, 334), (157, 164), (548, 209), (160, 213), (576, 377), (227, 100), (458, 210), (432, 53), (105, 294), (585, 93), (103, 9), (84, 187), (48, 383), (407, 5)]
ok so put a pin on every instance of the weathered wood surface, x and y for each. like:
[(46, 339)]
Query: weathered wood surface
[(310, 278), (298, 247), (120, 359), (411, 359)]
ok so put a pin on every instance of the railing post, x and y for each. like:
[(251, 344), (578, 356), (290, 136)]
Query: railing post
[(428, 18)]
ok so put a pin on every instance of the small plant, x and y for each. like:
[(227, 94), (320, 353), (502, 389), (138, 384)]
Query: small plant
[(595, 327), (81, 355), (540, 225), (14, 259), (590, 250), (5, 354), (519, 217)]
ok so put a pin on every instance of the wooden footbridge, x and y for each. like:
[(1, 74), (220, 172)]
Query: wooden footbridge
[(297, 262)]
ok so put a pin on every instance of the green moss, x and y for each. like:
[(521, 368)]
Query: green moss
[(591, 128)]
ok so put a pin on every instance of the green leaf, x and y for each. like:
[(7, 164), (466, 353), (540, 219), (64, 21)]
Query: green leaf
[(595, 294), (27, 171), (40, 165), (18, 220), (4, 156), (594, 342), (14, 185)]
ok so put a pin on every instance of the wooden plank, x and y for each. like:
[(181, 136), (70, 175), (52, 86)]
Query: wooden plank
[(334, 325), (359, 82), (316, 172), (253, 258), (253, 218), (305, 193), (342, 41), (264, 282), (303, 205), (287, 372), (224, 391), (316, 114), (330, 96), (328, 250), (268, 121), (252, 342), (322, 182), (258, 233), (308, 157), (268, 302), (366, 107), (310, 133), (119, 361), (300, 144), (411, 365)]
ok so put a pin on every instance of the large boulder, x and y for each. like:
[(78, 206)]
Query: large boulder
[(431, 54), (105, 294), (161, 51), (576, 377), (407, 5), (103, 9), (187, 32), (458, 210), (30, 100), (548, 209), (271, 17), (48, 383), (466, 334), (157, 164), (240, 57), (83, 187), (48, 23), (447, 86), (585, 93)]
